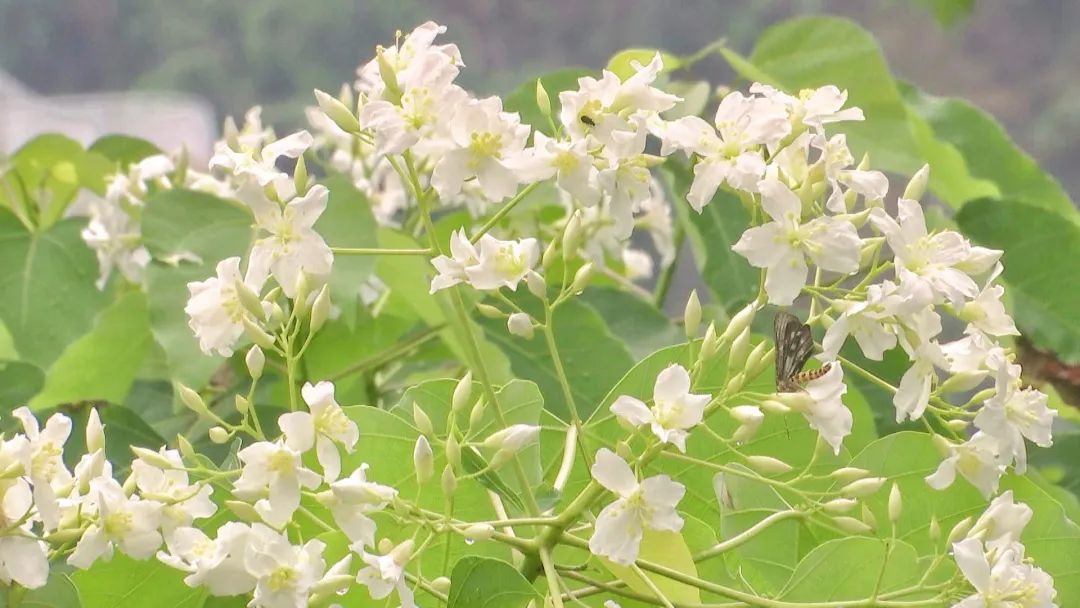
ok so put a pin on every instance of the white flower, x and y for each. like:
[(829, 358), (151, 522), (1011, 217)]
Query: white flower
[(568, 161), (273, 470), (284, 573), (452, 268), (913, 394), (813, 107), (732, 151), (42, 456), (826, 412), (932, 258), (986, 312), (323, 427), (292, 245), (977, 460), (182, 501), (502, 263), (23, 558), (638, 264), (675, 410), (129, 524), (485, 139), (626, 179), (970, 359), (594, 100), (1002, 578), (649, 504), (214, 310), (259, 162), (781, 246), (352, 499), (423, 114), (415, 63), (385, 573), (1002, 522), (876, 320), (217, 564), (654, 215), (1014, 414), (115, 236)]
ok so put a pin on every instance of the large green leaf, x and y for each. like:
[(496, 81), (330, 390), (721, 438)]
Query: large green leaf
[(126, 583), (634, 321), (1051, 539), (186, 223), (1040, 247), (347, 222), (853, 568), (483, 582), (591, 356), (101, 365), (47, 281), (670, 550), (47, 173)]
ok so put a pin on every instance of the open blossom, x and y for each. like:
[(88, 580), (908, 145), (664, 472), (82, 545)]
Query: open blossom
[(1002, 522), (1014, 414), (813, 108), (258, 163), (215, 312), (284, 573), (291, 245), (324, 427), (823, 406), (352, 500), (568, 161), (978, 460), (595, 99), (214, 563), (495, 264), (986, 312), (182, 501), (626, 180), (273, 471), (383, 574), (487, 142), (675, 410), (23, 558), (876, 321), (1002, 577), (729, 150), (649, 504), (42, 453), (782, 245), (913, 393), (128, 524)]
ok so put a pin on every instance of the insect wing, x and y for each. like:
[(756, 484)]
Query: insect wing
[(794, 344)]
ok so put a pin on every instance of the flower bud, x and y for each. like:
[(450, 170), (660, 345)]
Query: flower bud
[(747, 414), (768, 465), (477, 532), (581, 278), (489, 311), (255, 360), (243, 510), (692, 315), (477, 414), (453, 452), (710, 344), (388, 75), (385, 546), (963, 381), (852, 525), (338, 112), (896, 503), (403, 552), (218, 435), (868, 518), (320, 310), (624, 450), (186, 450), (512, 438), (95, 432), (774, 407), (536, 284), (256, 334), (520, 325), (916, 186), (863, 487), (935, 529), (960, 530), (740, 349), (500, 458), (572, 236), (757, 359), (735, 384), (958, 425), (441, 584), (421, 420), (153, 458), (191, 399), (548, 258), (300, 175), (543, 101), (848, 474), (301, 293), (739, 322), (241, 404), (423, 460), (462, 393), (449, 481), (840, 505), (249, 299)]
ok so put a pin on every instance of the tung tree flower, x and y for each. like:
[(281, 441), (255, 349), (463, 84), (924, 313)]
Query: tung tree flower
[(978, 460), (487, 142), (215, 312), (675, 410), (495, 264), (324, 427), (1002, 577), (1014, 414), (649, 504), (273, 470)]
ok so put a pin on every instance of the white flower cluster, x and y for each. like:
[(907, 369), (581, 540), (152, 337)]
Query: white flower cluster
[(991, 558)]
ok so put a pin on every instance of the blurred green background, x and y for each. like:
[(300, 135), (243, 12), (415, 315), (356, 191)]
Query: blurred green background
[(1015, 59)]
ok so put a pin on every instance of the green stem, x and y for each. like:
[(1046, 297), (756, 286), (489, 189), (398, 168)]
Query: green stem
[(663, 282), (501, 213)]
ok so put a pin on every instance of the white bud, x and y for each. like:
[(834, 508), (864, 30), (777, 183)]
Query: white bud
[(848, 474), (935, 529), (255, 360), (256, 334), (692, 315), (320, 310), (449, 481), (747, 414), (338, 112), (916, 186), (453, 452), (863, 487), (896, 503), (421, 420), (191, 399), (581, 278), (95, 432), (241, 404), (243, 510), (512, 438), (441, 584), (462, 393), (768, 465), (840, 505), (477, 532), (153, 458), (572, 236), (536, 284), (543, 101), (218, 435), (385, 546), (852, 525), (423, 460), (740, 348), (774, 407), (520, 325), (960, 530), (739, 322)]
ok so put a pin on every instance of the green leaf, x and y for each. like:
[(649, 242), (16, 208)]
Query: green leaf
[(853, 568), (621, 64), (523, 100), (101, 365), (19, 382), (183, 222), (591, 356), (1045, 306), (635, 322), (1051, 539), (47, 279), (668, 549), (123, 149), (48, 171), (126, 583), (483, 582), (58, 592), (347, 222)]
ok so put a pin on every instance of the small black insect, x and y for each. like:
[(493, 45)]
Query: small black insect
[(589, 121), (794, 344)]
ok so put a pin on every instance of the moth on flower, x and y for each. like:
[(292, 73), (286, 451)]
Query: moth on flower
[(648, 504), (674, 411)]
